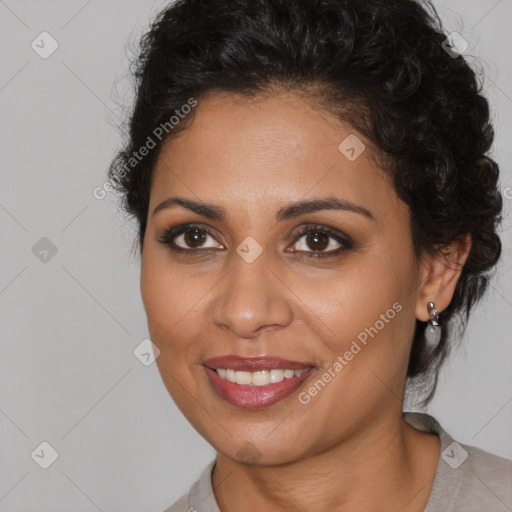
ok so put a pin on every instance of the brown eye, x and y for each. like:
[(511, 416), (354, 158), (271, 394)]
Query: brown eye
[(188, 238), (317, 241), (194, 238), (321, 241)]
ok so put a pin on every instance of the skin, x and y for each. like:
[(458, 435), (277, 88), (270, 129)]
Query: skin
[(348, 449)]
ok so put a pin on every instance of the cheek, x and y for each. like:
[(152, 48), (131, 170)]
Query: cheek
[(171, 306), (164, 294), (353, 299), (174, 298), (365, 314)]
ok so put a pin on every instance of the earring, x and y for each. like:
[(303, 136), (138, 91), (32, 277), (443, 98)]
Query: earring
[(433, 330)]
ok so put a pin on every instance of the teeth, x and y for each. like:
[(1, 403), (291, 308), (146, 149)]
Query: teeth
[(243, 377), (260, 377), (276, 375)]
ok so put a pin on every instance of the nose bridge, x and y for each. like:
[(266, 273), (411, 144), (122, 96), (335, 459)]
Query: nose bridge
[(252, 297)]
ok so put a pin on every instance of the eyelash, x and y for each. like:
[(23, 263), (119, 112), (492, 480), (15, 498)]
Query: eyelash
[(167, 239)]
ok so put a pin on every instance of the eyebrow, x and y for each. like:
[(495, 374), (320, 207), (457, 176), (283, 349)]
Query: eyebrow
[(289, 211)]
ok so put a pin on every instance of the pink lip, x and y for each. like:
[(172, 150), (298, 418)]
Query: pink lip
[(254, 397), (252, 364)]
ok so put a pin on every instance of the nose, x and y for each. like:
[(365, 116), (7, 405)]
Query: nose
[(252, 299)]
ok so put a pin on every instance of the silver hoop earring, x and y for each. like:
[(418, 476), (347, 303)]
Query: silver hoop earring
[(433, 330)]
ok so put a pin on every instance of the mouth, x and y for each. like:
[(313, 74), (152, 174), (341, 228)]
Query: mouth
[(255, 382)]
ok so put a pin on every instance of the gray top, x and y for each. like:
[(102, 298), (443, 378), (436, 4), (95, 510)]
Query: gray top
[(467, 479)]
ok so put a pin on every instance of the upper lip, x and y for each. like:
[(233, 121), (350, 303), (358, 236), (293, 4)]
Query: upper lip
[(249, 364)]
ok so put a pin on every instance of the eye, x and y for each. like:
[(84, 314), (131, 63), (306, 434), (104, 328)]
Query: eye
[(319, 241), (322, 241), (188, 238)]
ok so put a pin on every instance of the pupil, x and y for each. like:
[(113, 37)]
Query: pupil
[(194, 236), (318, 238)]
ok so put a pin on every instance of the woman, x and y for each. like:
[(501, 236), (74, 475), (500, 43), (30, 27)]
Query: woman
[(316, 208)]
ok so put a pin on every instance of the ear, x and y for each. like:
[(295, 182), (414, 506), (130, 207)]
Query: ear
[(439, 276)]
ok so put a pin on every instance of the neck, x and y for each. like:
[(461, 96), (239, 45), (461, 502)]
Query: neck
[(390, 466)]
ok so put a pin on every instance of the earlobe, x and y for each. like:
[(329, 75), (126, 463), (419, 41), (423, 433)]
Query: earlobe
[(440, 274)]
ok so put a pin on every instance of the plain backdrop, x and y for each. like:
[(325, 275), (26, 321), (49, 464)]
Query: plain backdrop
[(70, 309)]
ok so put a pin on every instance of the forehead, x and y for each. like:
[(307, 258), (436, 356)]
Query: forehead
[(275, 147)]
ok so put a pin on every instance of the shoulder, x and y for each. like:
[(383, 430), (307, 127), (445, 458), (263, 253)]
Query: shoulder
[(468, 479), (200, 496), (486, 479), (486, 461), (179, 506)]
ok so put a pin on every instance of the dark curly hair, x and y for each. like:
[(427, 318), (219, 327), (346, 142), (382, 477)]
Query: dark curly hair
[(382, 67)]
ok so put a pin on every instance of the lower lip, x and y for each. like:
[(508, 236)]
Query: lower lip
[(254, 397)]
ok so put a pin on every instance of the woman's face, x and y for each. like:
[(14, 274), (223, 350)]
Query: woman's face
[(252, 285)]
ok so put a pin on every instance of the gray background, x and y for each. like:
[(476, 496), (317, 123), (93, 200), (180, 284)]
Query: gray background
[(68, 375)]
